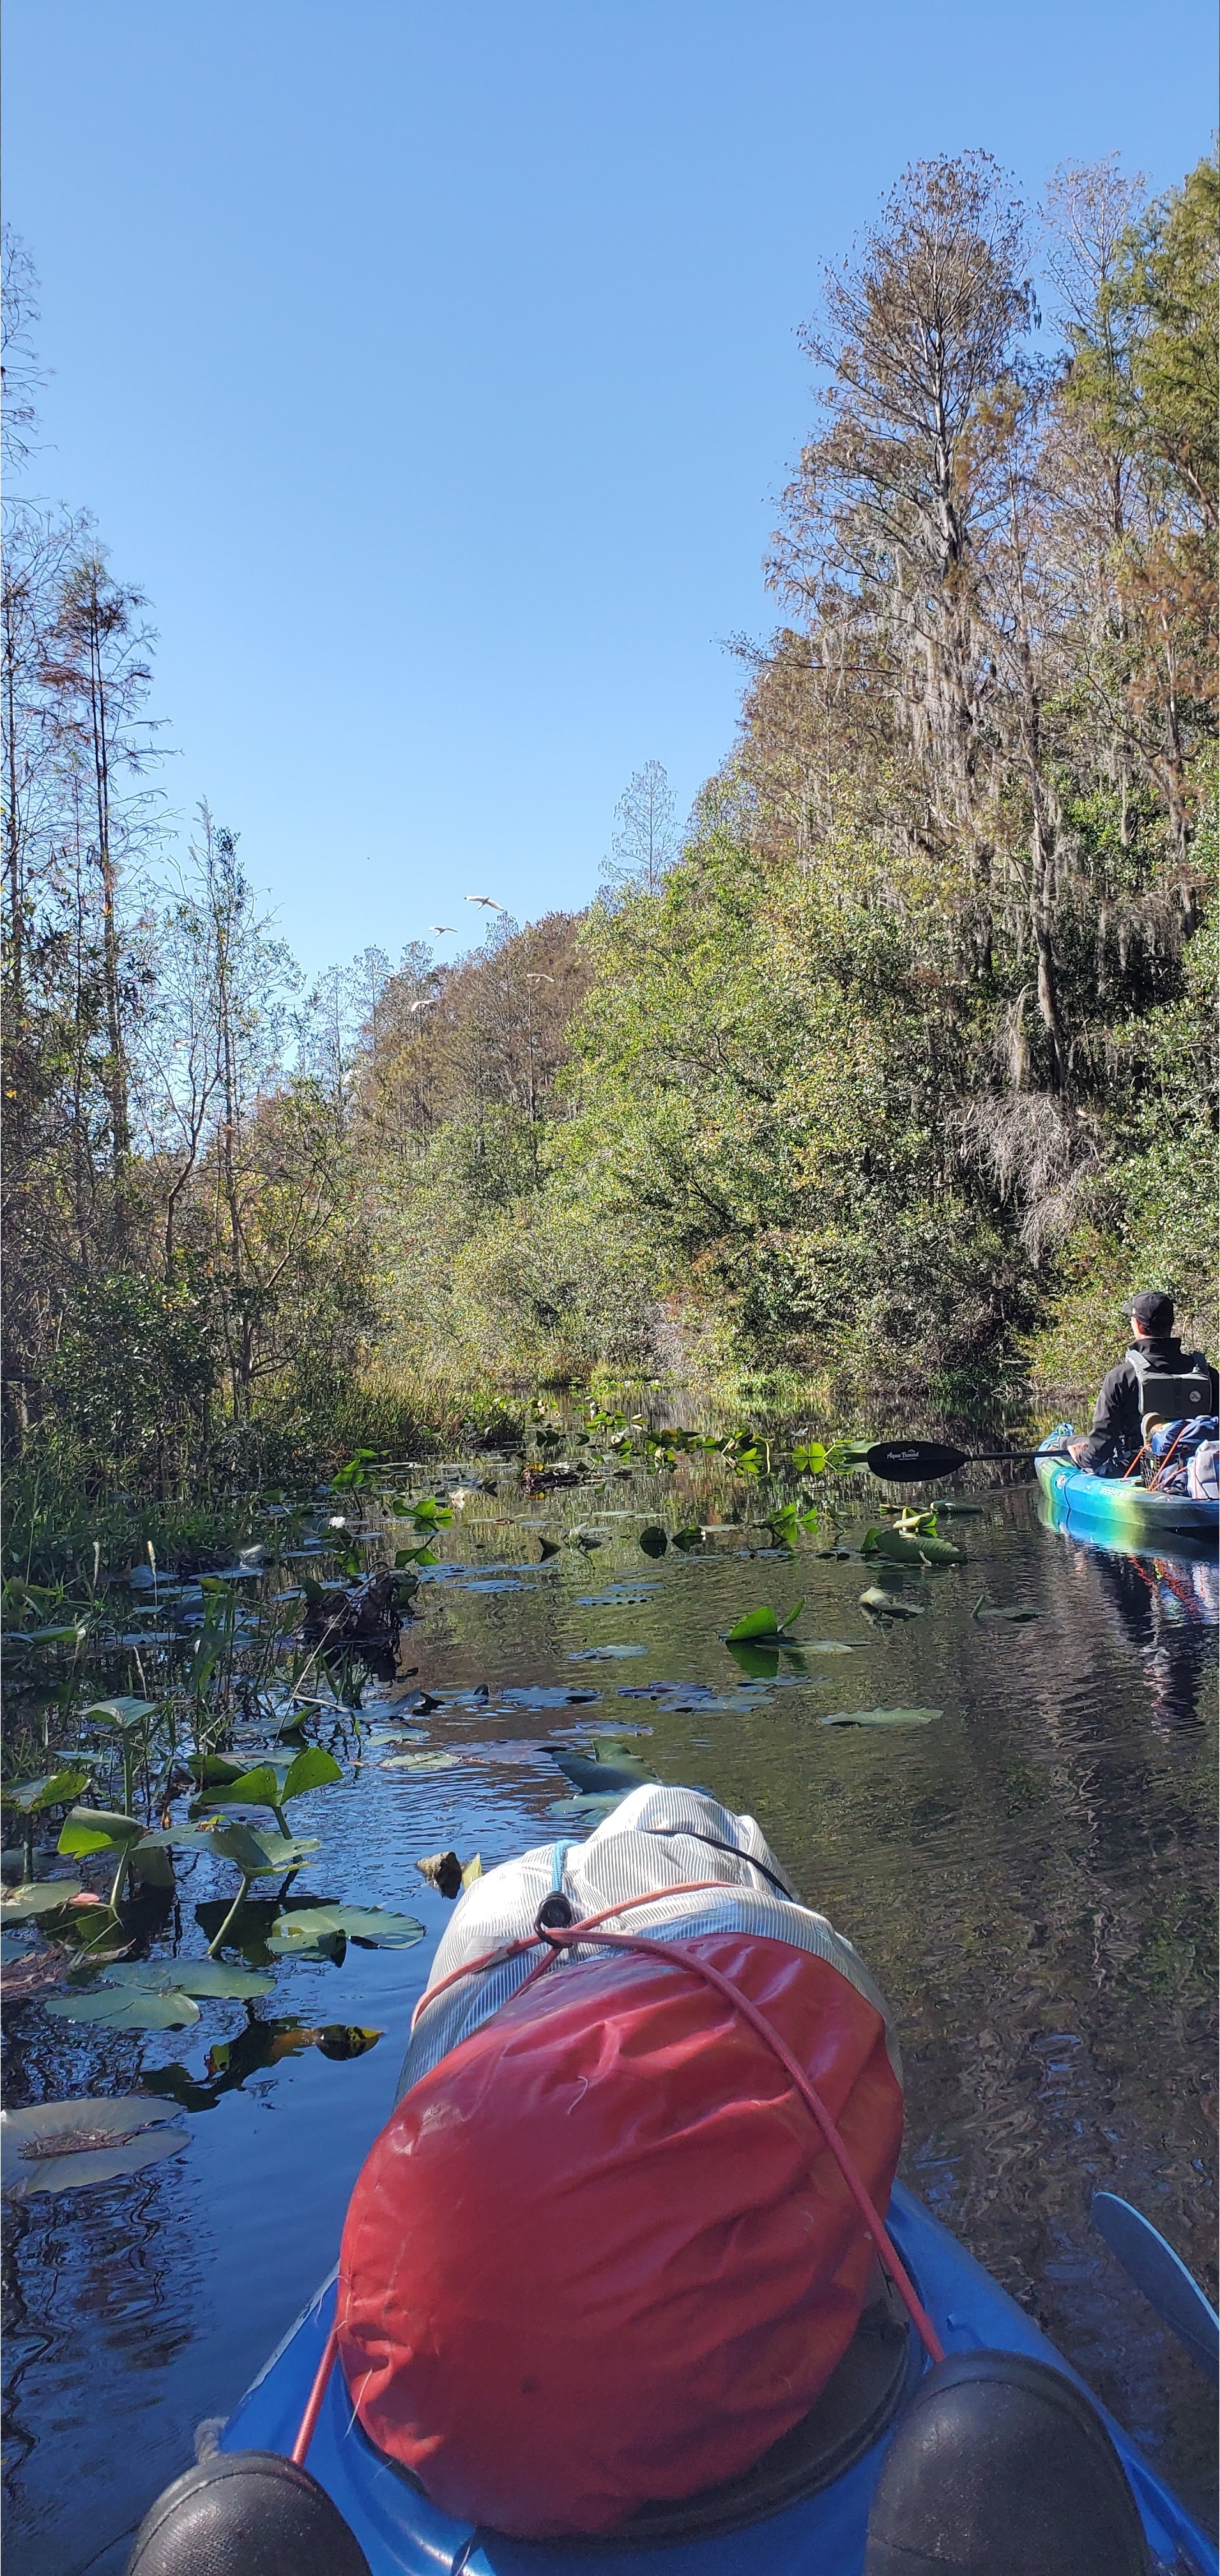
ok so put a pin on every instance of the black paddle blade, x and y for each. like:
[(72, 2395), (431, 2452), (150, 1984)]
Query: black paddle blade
[(909, 1462)]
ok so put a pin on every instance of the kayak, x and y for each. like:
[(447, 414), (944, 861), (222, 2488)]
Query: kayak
[(804, 2506), (1119, 1512)]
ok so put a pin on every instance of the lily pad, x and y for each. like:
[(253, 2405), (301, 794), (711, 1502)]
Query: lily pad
[(54, 1789), (619, 1596), (126, 2008), (888, 1605), (22, 1904), (881, 1716), (207, 1977), (373, 1924), (122, 1713), (920, 1550), (1017, 1613), (761, 1624), (598, 1776), (425, 1761), (606, 1654), (654, 1541), (549, 1695), (261, 1855), (91, 1829), (62, 2146)]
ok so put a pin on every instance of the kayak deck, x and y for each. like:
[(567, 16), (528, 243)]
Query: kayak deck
[(1119, 1512), (402, 2534)]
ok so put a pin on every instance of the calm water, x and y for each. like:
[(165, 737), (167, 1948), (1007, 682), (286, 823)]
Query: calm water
[(1030, 1877)]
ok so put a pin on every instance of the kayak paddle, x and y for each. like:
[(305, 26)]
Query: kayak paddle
[(907, 1462), (1162, 2276)]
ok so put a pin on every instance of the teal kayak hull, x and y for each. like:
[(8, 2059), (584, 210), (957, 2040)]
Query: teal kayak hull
[(1119, 1512), (402, 2534)]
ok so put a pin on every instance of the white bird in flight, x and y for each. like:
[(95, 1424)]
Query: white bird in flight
[(438, 929), (428, 1005), (486, 900), (540, 979)]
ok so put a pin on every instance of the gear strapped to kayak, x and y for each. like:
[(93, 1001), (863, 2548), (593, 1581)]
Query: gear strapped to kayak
[(619, 2231)]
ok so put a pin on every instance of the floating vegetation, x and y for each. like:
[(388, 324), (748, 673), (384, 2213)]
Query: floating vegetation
[(223, 1693), (24, 1904), (606, 1654), (301, 1933), (434, 1760), (881, 1716), (602, 1768), (918, 1546), (759, 1624), (1018, 1613), (888, 1605), (62, 2146)]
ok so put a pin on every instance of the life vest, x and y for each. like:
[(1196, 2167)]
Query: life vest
[(1172, 1394)]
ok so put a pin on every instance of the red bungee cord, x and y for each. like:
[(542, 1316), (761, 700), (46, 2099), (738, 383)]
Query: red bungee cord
[(559, 1938)]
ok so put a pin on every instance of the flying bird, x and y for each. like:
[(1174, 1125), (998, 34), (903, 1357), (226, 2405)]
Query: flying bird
[(439, 928), (429, 1005), (486, 900), (540, 979)]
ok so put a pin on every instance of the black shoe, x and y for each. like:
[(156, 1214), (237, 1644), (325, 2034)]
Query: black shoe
[(1002, 2467)]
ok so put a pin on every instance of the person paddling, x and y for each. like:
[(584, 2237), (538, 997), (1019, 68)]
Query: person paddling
[(1156, 1382)]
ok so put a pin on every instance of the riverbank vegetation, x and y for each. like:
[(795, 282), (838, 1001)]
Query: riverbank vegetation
[(873, 1092)]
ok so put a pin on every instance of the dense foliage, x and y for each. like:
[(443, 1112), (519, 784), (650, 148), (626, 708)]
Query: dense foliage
[(893, 1077)]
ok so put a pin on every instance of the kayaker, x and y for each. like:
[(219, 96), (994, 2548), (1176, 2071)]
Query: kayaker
[(1156, 1380)]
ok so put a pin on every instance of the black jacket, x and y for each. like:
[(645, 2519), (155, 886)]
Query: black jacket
[(1115, 1436)]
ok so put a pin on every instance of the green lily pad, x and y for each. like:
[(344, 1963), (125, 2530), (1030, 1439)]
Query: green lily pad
[(22, 1904), (206, 1977), (374, 1924), (122, 1713), (126, 2008), (881, 1716), (213, 1770), (761, 1624), (55, 1789), (261, 1855), (919, 1550), (62, 2146), (654, 1541), (90, 1829), (426, 1761), (603, 1774)]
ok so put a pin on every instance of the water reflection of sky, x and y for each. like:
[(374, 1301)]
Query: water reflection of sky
[(1030, 1877)]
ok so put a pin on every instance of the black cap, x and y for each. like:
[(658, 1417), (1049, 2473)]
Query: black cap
[(1153, 1311)]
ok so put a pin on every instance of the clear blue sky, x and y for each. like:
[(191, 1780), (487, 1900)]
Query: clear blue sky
[(432, 365)]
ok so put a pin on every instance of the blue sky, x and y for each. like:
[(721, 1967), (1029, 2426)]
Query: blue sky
[(432, 365)]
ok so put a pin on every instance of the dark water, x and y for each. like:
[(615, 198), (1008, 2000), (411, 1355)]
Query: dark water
[(1030, 1877)]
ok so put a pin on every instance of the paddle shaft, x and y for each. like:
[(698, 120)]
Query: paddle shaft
[(908, 1462)]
